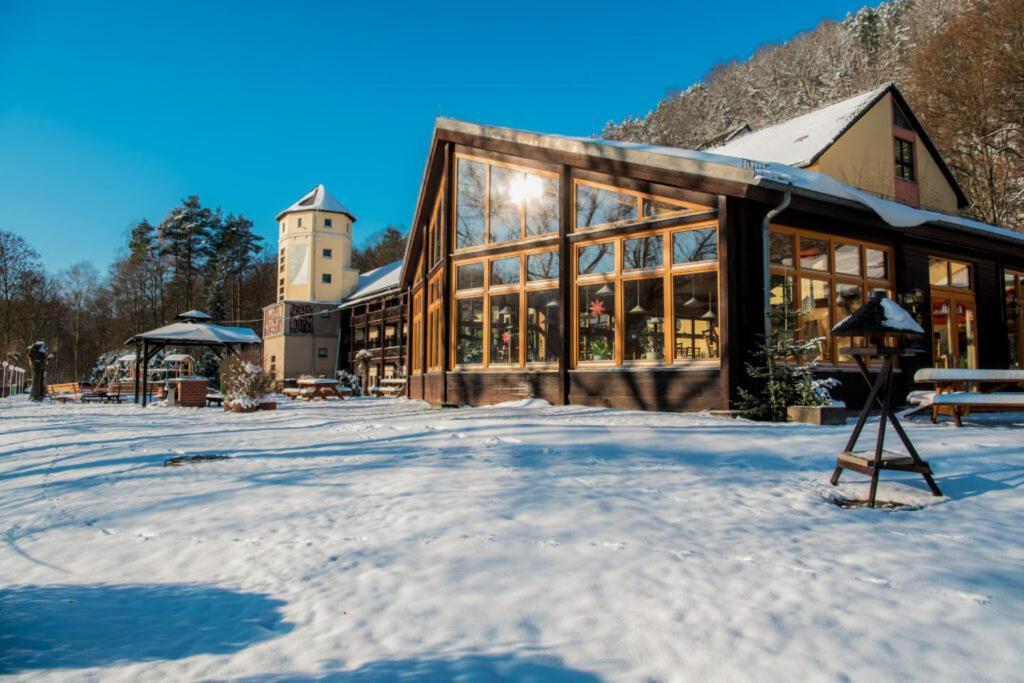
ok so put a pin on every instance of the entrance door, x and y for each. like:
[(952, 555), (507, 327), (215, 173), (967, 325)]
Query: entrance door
[(954, 315)]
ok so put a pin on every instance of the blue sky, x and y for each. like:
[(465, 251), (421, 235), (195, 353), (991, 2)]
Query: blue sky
[(111, 112)]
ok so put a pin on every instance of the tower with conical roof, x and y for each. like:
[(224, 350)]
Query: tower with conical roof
[(314, 274)]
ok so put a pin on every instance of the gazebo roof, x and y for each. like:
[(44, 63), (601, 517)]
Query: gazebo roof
[(198, 334), (194, 315)]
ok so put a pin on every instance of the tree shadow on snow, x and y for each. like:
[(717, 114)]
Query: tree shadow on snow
[(70, 627), (473, 667)]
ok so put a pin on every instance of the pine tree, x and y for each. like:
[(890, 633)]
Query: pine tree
[(185, 242)]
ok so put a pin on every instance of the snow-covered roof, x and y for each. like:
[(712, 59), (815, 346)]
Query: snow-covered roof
[(194, 314), (178, 357), (800, 141), (318, 199), (203, 334), (713, 164), (375, 282), (126, 358)]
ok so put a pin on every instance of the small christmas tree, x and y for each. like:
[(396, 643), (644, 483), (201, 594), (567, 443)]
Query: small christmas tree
[(778, 381)]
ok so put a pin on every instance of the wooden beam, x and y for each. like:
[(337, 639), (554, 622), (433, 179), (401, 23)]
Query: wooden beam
[(444, 313), (565, 220)]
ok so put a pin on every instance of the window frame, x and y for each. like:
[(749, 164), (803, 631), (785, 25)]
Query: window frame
[(488, 164), (686, 207), (522, 288), (831, 276), (617, 279), (904, 166)]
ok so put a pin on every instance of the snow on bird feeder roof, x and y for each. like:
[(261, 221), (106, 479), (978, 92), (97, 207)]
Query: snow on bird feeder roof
[(880, 315)]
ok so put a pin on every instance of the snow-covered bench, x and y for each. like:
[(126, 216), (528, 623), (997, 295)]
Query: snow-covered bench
[(960, 390)]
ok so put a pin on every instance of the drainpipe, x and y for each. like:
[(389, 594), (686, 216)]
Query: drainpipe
[(765, 226)]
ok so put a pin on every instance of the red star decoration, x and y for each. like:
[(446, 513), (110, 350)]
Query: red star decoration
[(596, 308)]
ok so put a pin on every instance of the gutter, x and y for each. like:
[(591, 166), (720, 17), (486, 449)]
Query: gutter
[(766, 280)]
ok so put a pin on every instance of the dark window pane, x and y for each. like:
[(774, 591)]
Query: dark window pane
[(645, 319), (470, 203), (596, 258), (643, 252), (506, 188), (470, 276), (695, 245), (542, 329), (813, 253), (504, 329), (696, 316), (469, 331), (596, 315), (541, 197), (780, 249), (505, 271), (598, 206), (782, 300), (659, 207), (542, 266)]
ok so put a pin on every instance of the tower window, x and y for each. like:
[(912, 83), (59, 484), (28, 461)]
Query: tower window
[(300, 222), (282, 226), (325, 278), (321, 352), (904, 159), (327, 253), (327, 222)]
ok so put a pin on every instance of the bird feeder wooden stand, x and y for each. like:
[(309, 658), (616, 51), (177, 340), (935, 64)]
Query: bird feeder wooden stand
[(876, 321)]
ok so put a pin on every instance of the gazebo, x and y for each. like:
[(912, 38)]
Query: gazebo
[(192, 329)]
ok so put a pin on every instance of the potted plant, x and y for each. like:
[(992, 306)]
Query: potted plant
[(600, 349)]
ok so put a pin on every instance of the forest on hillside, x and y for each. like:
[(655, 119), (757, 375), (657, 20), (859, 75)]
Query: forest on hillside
[(960, 64)]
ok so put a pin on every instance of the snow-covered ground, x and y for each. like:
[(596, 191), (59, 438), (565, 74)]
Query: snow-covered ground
[(379, 539)]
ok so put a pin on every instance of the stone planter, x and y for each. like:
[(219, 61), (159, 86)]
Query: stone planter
[(817, 415)]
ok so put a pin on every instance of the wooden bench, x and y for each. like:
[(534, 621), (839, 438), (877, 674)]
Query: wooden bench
[(390, 387), (958, 391)]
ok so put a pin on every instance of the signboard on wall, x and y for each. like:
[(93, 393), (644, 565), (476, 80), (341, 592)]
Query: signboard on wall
[(273, 321), (300, 319)]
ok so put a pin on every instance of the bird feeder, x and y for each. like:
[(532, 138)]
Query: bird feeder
[(881, 327)]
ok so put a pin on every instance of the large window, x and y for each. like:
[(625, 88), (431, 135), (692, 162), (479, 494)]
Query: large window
[(417, 330), (497, 202), (434, 235), (598, 205), (434, 323), (954, 314), (816, 280), (649, 298), (507, 311)]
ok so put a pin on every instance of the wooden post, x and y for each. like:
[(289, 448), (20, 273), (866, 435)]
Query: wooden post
[(135, 375), (145, 373), (565, 277), (444, 314)]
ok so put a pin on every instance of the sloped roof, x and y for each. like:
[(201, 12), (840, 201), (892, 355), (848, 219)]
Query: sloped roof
[(800, 141), (199, 334), (711, 164), (317, 199), (375, 282), (195, 315)]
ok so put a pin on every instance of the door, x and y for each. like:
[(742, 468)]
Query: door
[(954, 331)]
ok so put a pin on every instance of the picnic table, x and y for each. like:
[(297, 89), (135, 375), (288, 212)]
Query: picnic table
[(313, 388), (960, 390)]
